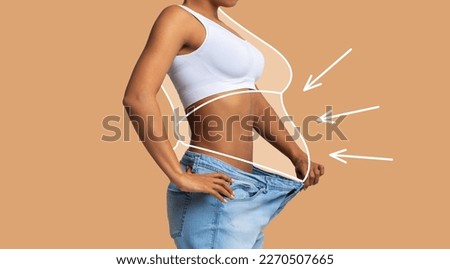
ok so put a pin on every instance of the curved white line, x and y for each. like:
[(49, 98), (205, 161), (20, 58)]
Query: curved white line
[(237, 158), (267, 44), (243, 160), (231, 156), (285, 88), (246, 91), (225, 95)]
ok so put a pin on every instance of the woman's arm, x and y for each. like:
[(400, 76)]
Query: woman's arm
[(272, 129), (167, 36)]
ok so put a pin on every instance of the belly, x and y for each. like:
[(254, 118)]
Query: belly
[(224, 125)]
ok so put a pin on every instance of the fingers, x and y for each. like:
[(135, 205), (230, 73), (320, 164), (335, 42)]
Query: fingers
[(312, 176), (216, 184), (316, 171), (305, 184), (222, 176), (226, 186), (222, 190), (317, 174), (322, 169), (218, 196), (221, 185)]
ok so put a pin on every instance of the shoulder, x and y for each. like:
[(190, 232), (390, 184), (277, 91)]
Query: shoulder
[(173, 13), (170, 24)]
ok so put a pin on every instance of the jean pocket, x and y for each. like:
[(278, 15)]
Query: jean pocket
[(177, 205), (245, 191)]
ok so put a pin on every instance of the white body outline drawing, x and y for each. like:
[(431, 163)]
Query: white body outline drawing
[(279, 93)]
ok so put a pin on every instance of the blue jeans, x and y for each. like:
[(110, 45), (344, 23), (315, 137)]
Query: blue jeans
[(201, 221)]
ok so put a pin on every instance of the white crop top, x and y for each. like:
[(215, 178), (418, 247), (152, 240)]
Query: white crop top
[(223, 62)]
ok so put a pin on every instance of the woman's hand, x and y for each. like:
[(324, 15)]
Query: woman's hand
[(315, 172), (216, 184)]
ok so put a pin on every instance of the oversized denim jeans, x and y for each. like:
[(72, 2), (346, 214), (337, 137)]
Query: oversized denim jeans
[(201, 221)]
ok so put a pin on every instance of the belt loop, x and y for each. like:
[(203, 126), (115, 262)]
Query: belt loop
[(195, 162), (266, 183)]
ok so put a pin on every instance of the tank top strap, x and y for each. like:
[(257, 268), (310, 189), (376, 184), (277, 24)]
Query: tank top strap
[(197, 15)]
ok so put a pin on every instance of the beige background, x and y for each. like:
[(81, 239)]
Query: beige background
[(65, 65)]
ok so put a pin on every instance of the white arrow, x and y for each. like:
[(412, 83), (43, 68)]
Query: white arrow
[(327, 118), (310, 84), (338, 156)]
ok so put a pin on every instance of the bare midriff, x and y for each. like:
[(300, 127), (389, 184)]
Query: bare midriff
[(224, 125)]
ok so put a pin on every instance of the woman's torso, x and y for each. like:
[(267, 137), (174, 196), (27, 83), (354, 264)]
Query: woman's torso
[(225, 125), (215, 62)]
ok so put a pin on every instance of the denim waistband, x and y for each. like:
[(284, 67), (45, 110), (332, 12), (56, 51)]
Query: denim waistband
[(257, 176)]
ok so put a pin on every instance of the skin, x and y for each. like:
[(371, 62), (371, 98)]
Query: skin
[(175, 31)]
